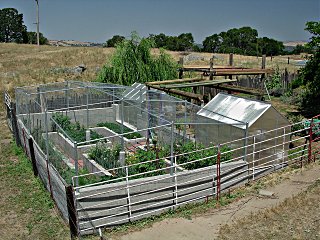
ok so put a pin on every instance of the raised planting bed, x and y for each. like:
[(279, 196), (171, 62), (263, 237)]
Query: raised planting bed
[(199, 151), (108, 158), (116, 127), (74, 130)]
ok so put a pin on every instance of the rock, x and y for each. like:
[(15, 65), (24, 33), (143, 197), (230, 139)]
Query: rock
[(80, 69), (266, 193)]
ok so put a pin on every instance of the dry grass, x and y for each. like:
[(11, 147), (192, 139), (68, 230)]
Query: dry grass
[(22, 65), (295, 218), (27, 64)]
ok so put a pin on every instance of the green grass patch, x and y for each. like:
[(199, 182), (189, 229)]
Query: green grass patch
[(27, 198)]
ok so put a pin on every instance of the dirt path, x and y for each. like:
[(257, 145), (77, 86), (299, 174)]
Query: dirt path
[(207, 226)]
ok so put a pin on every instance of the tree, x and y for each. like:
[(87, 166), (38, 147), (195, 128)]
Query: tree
[(115, 40), (309, 76), (32, 38), (185, 42), (132, 62), (269, 46), (11, 26), (160, 40), (212, 43)]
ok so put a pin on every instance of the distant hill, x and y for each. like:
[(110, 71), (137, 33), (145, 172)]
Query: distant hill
[(73, 43), (290, 45)]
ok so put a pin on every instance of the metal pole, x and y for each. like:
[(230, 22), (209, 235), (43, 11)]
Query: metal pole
[(310, 141), (253, 156), (122, 130), (175, 180), (87, 106), (38, 22), (76, 163), (218, 174), (67, 96), (128, 193), (47, 151), (185, 120), (283, 147), (246, 142), (171, 149)]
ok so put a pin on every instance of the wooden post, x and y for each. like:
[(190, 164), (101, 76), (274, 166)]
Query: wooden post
[(231, 59), (230, 63), (33, 158), (288, 60), (180, 70), (73, 223), (263, 66), (211, 69), (286, 78), (263, 63)]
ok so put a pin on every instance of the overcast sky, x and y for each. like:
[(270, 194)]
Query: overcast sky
[(99, 20)]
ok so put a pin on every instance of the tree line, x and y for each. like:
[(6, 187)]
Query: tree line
[(242, 40), (12, 28)]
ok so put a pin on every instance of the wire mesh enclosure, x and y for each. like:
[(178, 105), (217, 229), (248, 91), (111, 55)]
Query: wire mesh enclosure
[(132, 152)]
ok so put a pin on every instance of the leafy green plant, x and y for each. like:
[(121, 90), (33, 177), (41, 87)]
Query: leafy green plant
[(143, 157), (199, 152), (104, 155), (74, 130), (117, 129)]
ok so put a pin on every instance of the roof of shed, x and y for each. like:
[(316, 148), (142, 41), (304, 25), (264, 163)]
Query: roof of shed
[(234, 110)]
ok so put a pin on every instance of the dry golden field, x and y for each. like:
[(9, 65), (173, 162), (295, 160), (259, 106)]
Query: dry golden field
[(22, 65)]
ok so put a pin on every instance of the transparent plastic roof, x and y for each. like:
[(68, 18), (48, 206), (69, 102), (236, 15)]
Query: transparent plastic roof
[(234, 110)]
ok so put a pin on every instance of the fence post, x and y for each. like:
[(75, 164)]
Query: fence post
[(76, 163), (14, 124), (253, 157), (218, 174), (263, 63), (283, 146), (181, 70), (175, 180), (310, 142), (33, 158), (87, 99), (171, 149), (47, 151), (128, 194), (73, 223), (230, 63)]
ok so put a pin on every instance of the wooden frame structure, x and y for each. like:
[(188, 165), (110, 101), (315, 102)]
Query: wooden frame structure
[(206, 80)]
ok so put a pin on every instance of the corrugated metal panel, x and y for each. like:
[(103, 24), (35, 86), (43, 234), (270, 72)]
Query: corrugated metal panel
[(234, 110), (136, 92)]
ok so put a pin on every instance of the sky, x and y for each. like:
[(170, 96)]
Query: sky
[(99, 20)]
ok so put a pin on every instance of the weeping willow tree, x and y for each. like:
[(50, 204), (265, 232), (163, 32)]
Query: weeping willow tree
[(133, 62)]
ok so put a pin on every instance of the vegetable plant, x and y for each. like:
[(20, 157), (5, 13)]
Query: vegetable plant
[(74, 130)]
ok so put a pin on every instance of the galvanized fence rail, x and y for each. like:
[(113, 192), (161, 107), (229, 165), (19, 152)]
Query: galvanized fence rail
[(113, 202)]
